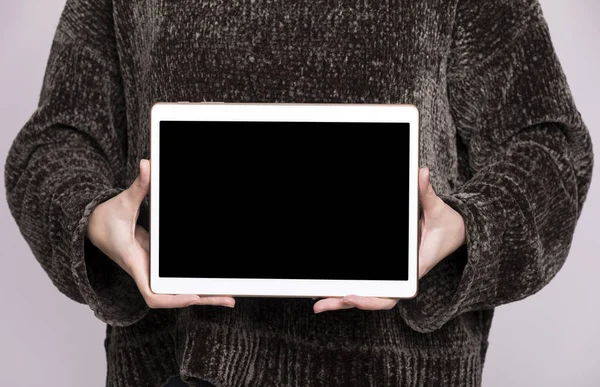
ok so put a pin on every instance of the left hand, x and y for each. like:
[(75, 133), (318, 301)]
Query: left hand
[(442, 232)]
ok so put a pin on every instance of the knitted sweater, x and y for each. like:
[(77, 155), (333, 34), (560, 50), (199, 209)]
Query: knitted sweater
[(500, 133)]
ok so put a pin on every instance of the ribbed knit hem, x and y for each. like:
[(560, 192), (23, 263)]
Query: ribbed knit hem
[(208, 357), (143, 354)]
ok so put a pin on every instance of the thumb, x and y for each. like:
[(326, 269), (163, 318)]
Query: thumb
[(427, 195), (138, 190)]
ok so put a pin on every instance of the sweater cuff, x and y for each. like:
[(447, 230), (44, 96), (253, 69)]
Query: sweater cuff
[(105, 287), (454, 285)]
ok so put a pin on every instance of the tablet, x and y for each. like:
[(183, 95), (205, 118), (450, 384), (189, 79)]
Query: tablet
[(284, 200)]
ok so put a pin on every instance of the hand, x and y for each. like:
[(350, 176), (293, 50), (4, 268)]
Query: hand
[(113, 228), (442, 232)]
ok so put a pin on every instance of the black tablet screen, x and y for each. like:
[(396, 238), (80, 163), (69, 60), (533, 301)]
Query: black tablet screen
[(284, 200)]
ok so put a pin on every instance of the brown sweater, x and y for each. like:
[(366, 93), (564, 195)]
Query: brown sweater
[(504, 141)]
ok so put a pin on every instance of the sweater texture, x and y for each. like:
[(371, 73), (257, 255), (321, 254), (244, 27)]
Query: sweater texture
[(500, 133)]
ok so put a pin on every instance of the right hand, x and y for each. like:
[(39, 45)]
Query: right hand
[(113, 229)]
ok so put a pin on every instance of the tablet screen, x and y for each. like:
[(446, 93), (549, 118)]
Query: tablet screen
[(287, 200)]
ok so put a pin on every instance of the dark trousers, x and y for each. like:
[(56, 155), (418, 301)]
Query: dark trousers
[(177, 382)]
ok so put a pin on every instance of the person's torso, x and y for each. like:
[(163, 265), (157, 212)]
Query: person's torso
[(292, 51)]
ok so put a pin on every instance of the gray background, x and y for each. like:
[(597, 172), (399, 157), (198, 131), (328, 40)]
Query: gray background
[(549, 339)]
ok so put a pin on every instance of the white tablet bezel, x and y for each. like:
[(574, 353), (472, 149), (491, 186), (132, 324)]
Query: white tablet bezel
[(215, 111)]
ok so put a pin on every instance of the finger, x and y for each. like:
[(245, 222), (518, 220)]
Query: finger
[(216, 300), (164, 301), (427, 195), (141, 276), (138, 190), (327, 304), (370, 303)]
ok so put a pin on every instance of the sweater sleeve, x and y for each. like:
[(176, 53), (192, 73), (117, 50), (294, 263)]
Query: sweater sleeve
[(69, 157), (529, 158)]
